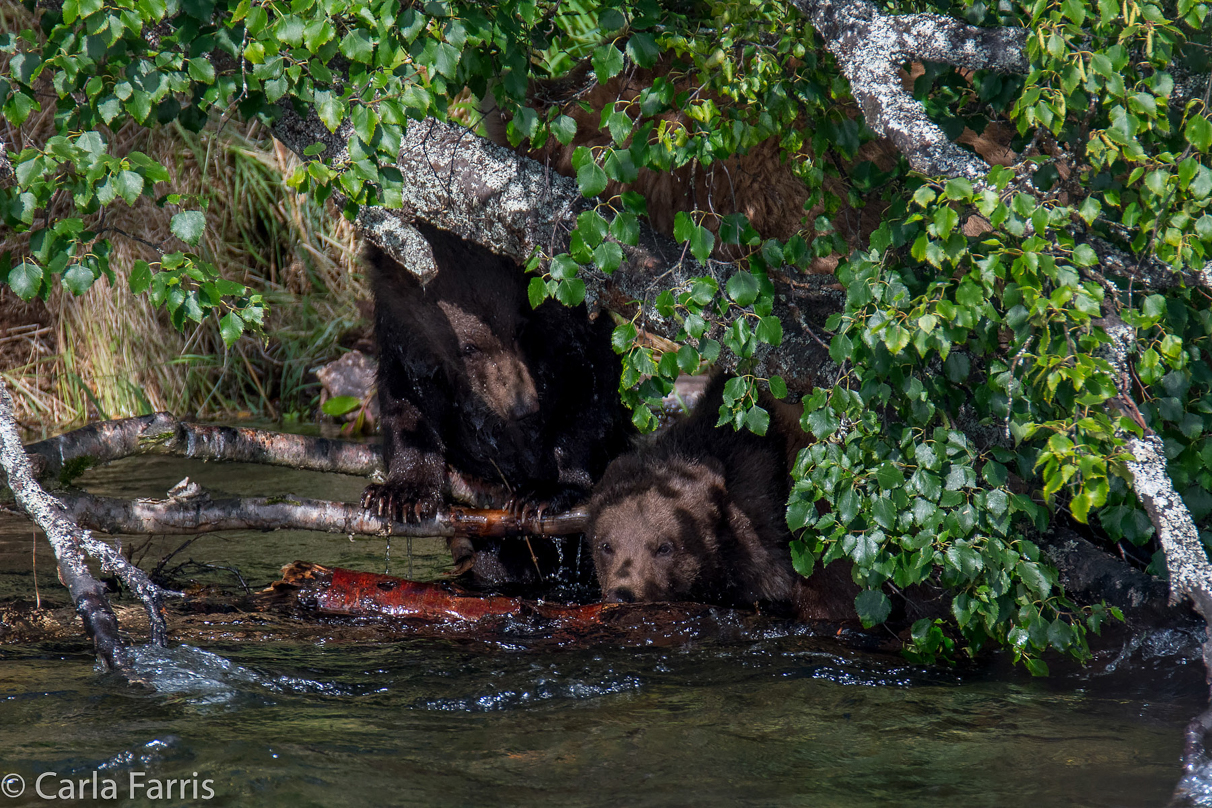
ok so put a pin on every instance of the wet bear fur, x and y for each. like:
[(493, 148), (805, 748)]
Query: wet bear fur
[(472, 377), (698, 515)]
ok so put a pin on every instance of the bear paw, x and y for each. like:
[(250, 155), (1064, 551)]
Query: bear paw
[(401, 503), (535, 501)]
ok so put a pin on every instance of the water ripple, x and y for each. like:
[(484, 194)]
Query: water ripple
[(544, 690), (207, 679)]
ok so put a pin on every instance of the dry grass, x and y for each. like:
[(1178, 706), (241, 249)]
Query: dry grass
[(109, 353)]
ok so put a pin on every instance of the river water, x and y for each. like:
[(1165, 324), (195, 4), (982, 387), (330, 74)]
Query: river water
[(777, 718)]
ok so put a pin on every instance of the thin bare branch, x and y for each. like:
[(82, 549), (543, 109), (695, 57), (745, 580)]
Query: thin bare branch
[(198, 513), (69, 454), (66, 456)]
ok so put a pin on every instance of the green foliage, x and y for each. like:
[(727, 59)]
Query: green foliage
[(944, 337), (943, 332), (340, 405)]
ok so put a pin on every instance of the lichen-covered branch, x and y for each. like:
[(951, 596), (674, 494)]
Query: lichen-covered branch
[(7, 175), (386, 229), (198, 513), (1186, 561), (871, 48), (68, 455), (513, 206), (1187, 564), (71, 545)]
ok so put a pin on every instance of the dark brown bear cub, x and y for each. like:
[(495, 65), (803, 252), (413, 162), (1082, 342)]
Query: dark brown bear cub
[(471, 377), (698, 515)]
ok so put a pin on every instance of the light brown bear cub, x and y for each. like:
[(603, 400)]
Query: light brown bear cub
[(698, 515)]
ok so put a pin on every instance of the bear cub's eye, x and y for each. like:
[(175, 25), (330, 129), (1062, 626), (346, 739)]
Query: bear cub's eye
[(605, 549), (470, 350), (665, 549)]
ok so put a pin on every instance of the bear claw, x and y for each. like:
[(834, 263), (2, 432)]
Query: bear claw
[(390, 501), (534, 502)]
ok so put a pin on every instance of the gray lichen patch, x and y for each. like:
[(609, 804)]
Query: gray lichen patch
[(871, 47), (1186, 561), (399, 240), (481, 191)]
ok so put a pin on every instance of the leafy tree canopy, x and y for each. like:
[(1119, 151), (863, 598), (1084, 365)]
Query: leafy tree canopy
[(971, 398)]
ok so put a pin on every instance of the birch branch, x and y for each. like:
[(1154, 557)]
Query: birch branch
[(1187, 563), (7, 175), (198, 513), (71, 545), (1150, 273), (69, 454), (871, 48)]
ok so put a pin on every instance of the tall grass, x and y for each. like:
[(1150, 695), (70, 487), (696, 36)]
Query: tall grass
[(115, 355)]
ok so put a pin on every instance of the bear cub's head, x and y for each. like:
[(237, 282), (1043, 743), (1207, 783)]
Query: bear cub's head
[(490, 356), (467, 327), (656, 528)]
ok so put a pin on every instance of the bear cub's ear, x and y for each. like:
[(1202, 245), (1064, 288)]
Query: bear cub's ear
[(698, 476), (714, 466)]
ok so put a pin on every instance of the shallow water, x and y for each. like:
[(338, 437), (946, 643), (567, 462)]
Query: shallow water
[(781, 720)]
